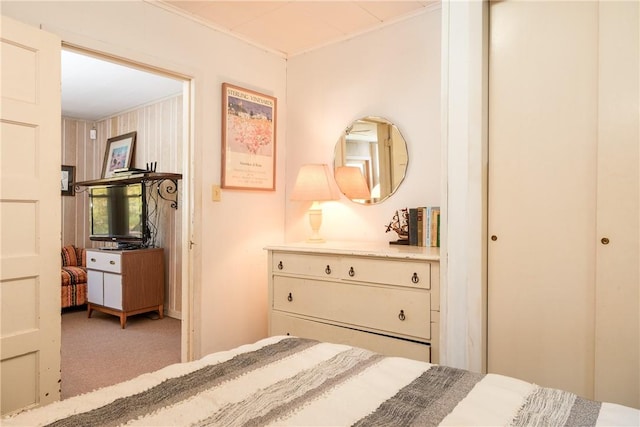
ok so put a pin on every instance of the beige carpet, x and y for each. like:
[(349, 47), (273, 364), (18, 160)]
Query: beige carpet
[(96, 352)]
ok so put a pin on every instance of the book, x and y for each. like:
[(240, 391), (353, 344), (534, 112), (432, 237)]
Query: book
[(433, 225), (413, 226), (427, 226), (420, 226), (438, 239)]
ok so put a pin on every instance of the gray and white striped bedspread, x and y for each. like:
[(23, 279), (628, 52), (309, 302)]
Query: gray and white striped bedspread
[(299, 382)]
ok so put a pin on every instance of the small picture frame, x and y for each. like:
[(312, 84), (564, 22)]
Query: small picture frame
[(119, 154), (68, 181), (248, 139)]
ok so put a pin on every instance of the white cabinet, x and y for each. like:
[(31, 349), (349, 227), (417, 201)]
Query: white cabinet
[(376, 296), (104, 278), (105, 289), (124, 283), (563, 293)]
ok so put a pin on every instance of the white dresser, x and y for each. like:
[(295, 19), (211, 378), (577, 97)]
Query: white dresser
[(374, 295)]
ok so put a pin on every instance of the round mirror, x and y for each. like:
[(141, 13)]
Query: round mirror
[(370, 160)]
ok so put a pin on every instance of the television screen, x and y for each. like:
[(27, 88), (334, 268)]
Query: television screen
[(118, 213)]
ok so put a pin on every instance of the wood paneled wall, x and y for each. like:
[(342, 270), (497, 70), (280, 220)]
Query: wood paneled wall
[(159, 139)]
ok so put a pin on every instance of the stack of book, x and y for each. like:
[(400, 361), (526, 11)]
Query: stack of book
[(424, 226)]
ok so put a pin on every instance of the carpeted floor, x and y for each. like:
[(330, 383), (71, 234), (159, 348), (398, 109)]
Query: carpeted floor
[(96, 352)]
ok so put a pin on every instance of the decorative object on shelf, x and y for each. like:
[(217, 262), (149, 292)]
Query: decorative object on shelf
[(352, 183), (315, 183), (400, 224), (417, 226), (248, 139), (67, 182), (119, 153)]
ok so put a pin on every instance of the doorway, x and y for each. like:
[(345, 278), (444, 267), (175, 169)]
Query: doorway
[(103, 97)]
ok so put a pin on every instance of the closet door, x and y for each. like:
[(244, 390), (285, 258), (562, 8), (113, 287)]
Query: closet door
[(563, 174), (617, 325), (542, 198)]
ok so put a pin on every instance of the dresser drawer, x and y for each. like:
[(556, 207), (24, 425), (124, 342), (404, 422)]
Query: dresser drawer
[(392, 310), (284, 324), (104, 261), (385, 271), (327, 266)]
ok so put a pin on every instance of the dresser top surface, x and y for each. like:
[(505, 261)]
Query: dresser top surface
[(362, 249)]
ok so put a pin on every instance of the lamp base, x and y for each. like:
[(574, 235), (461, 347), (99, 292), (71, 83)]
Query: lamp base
[(315, 220)]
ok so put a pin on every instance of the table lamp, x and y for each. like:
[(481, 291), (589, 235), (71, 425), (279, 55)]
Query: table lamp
[(352, 183), (315, 183)]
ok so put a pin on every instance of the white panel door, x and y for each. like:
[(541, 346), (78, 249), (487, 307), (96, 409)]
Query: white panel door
[(542, 198), (30, 217)]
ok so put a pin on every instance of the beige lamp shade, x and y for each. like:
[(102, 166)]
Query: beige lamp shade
[(315, 183), (352, 182)]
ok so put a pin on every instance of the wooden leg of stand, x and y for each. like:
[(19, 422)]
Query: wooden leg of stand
[(123, 320), (89, 310), (161, 310)]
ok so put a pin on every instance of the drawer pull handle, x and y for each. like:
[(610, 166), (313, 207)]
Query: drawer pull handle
[(415, 278), (290, 297), (352, 272), (93, 260), (280, 266), (112, 262), (401, 316), (327, 270)]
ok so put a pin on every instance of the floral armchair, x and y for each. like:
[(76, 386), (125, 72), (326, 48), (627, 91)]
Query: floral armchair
[(74, 276)]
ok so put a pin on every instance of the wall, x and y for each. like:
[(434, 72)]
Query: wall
[(159, 128), (394, 73), (227, 261)]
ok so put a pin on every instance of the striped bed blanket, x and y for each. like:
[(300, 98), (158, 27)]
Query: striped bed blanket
[(300, 382)]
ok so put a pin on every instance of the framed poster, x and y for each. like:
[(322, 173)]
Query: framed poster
[(68, 180), (248, 139), (119, 153)]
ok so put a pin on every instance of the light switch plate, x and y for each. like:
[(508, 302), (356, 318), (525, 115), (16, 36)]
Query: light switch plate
[(216, 193)]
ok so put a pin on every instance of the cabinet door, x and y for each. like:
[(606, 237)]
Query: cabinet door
[(113, 290), (95, 287)]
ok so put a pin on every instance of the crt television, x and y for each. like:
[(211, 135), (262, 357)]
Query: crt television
[(118, 213)]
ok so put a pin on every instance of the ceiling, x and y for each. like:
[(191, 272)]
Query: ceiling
[(88, 87), (296, 26), (287, 28)]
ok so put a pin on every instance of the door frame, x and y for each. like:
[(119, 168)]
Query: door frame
[(464, 184), (188, 324)]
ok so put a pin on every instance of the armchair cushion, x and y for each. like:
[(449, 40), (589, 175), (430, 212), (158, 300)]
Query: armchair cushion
[(73, 276), (73, 257)]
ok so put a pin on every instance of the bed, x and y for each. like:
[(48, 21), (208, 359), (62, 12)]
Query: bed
[(300, 382)]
